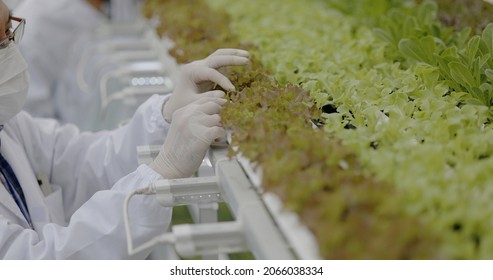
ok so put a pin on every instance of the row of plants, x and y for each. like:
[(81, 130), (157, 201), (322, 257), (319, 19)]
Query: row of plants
[(400, 168)]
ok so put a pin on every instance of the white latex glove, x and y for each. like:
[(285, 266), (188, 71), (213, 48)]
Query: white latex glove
[(198, 77), (194, 128)]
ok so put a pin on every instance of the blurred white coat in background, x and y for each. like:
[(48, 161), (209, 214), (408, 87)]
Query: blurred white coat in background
[(12, 4), (53, 27), (123, 10)]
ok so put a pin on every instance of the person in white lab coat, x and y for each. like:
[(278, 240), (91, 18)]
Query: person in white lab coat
[(76, 213), (54, 26)]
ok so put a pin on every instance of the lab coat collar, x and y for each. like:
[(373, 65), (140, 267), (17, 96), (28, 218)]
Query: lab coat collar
[(38, 210), (8, 205)]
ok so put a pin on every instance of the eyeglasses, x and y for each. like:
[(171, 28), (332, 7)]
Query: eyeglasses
[(15, 35)]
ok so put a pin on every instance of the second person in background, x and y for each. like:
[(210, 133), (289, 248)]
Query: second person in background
[(53, 27)]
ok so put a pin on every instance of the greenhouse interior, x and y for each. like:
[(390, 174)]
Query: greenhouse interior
[(358, 129)]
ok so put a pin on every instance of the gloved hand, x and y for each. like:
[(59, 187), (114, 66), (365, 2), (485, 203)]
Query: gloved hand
[(199, 76), (192, 131)]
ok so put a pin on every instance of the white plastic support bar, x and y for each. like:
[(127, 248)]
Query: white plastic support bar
[(121, 58), (130, 95), (125, 71), (301, 239), (205, 168), (163, 84), (108, 47), (209, 239), (146, 154), (144, 66), (297, 234), (130, 29), (205, 213), (263, 237), (190, 239), (82, 65), (199, 190), (169, 63), (201, 213), (130, 55)]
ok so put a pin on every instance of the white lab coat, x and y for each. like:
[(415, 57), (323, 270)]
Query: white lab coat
[(124, 10), (91, 174), (12, 4), (52, 26)]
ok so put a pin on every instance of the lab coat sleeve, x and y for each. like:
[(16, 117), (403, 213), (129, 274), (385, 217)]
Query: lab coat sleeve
[(84, 163), (96, 230)]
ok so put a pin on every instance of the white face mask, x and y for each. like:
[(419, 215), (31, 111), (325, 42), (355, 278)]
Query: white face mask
[(14, 82)]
